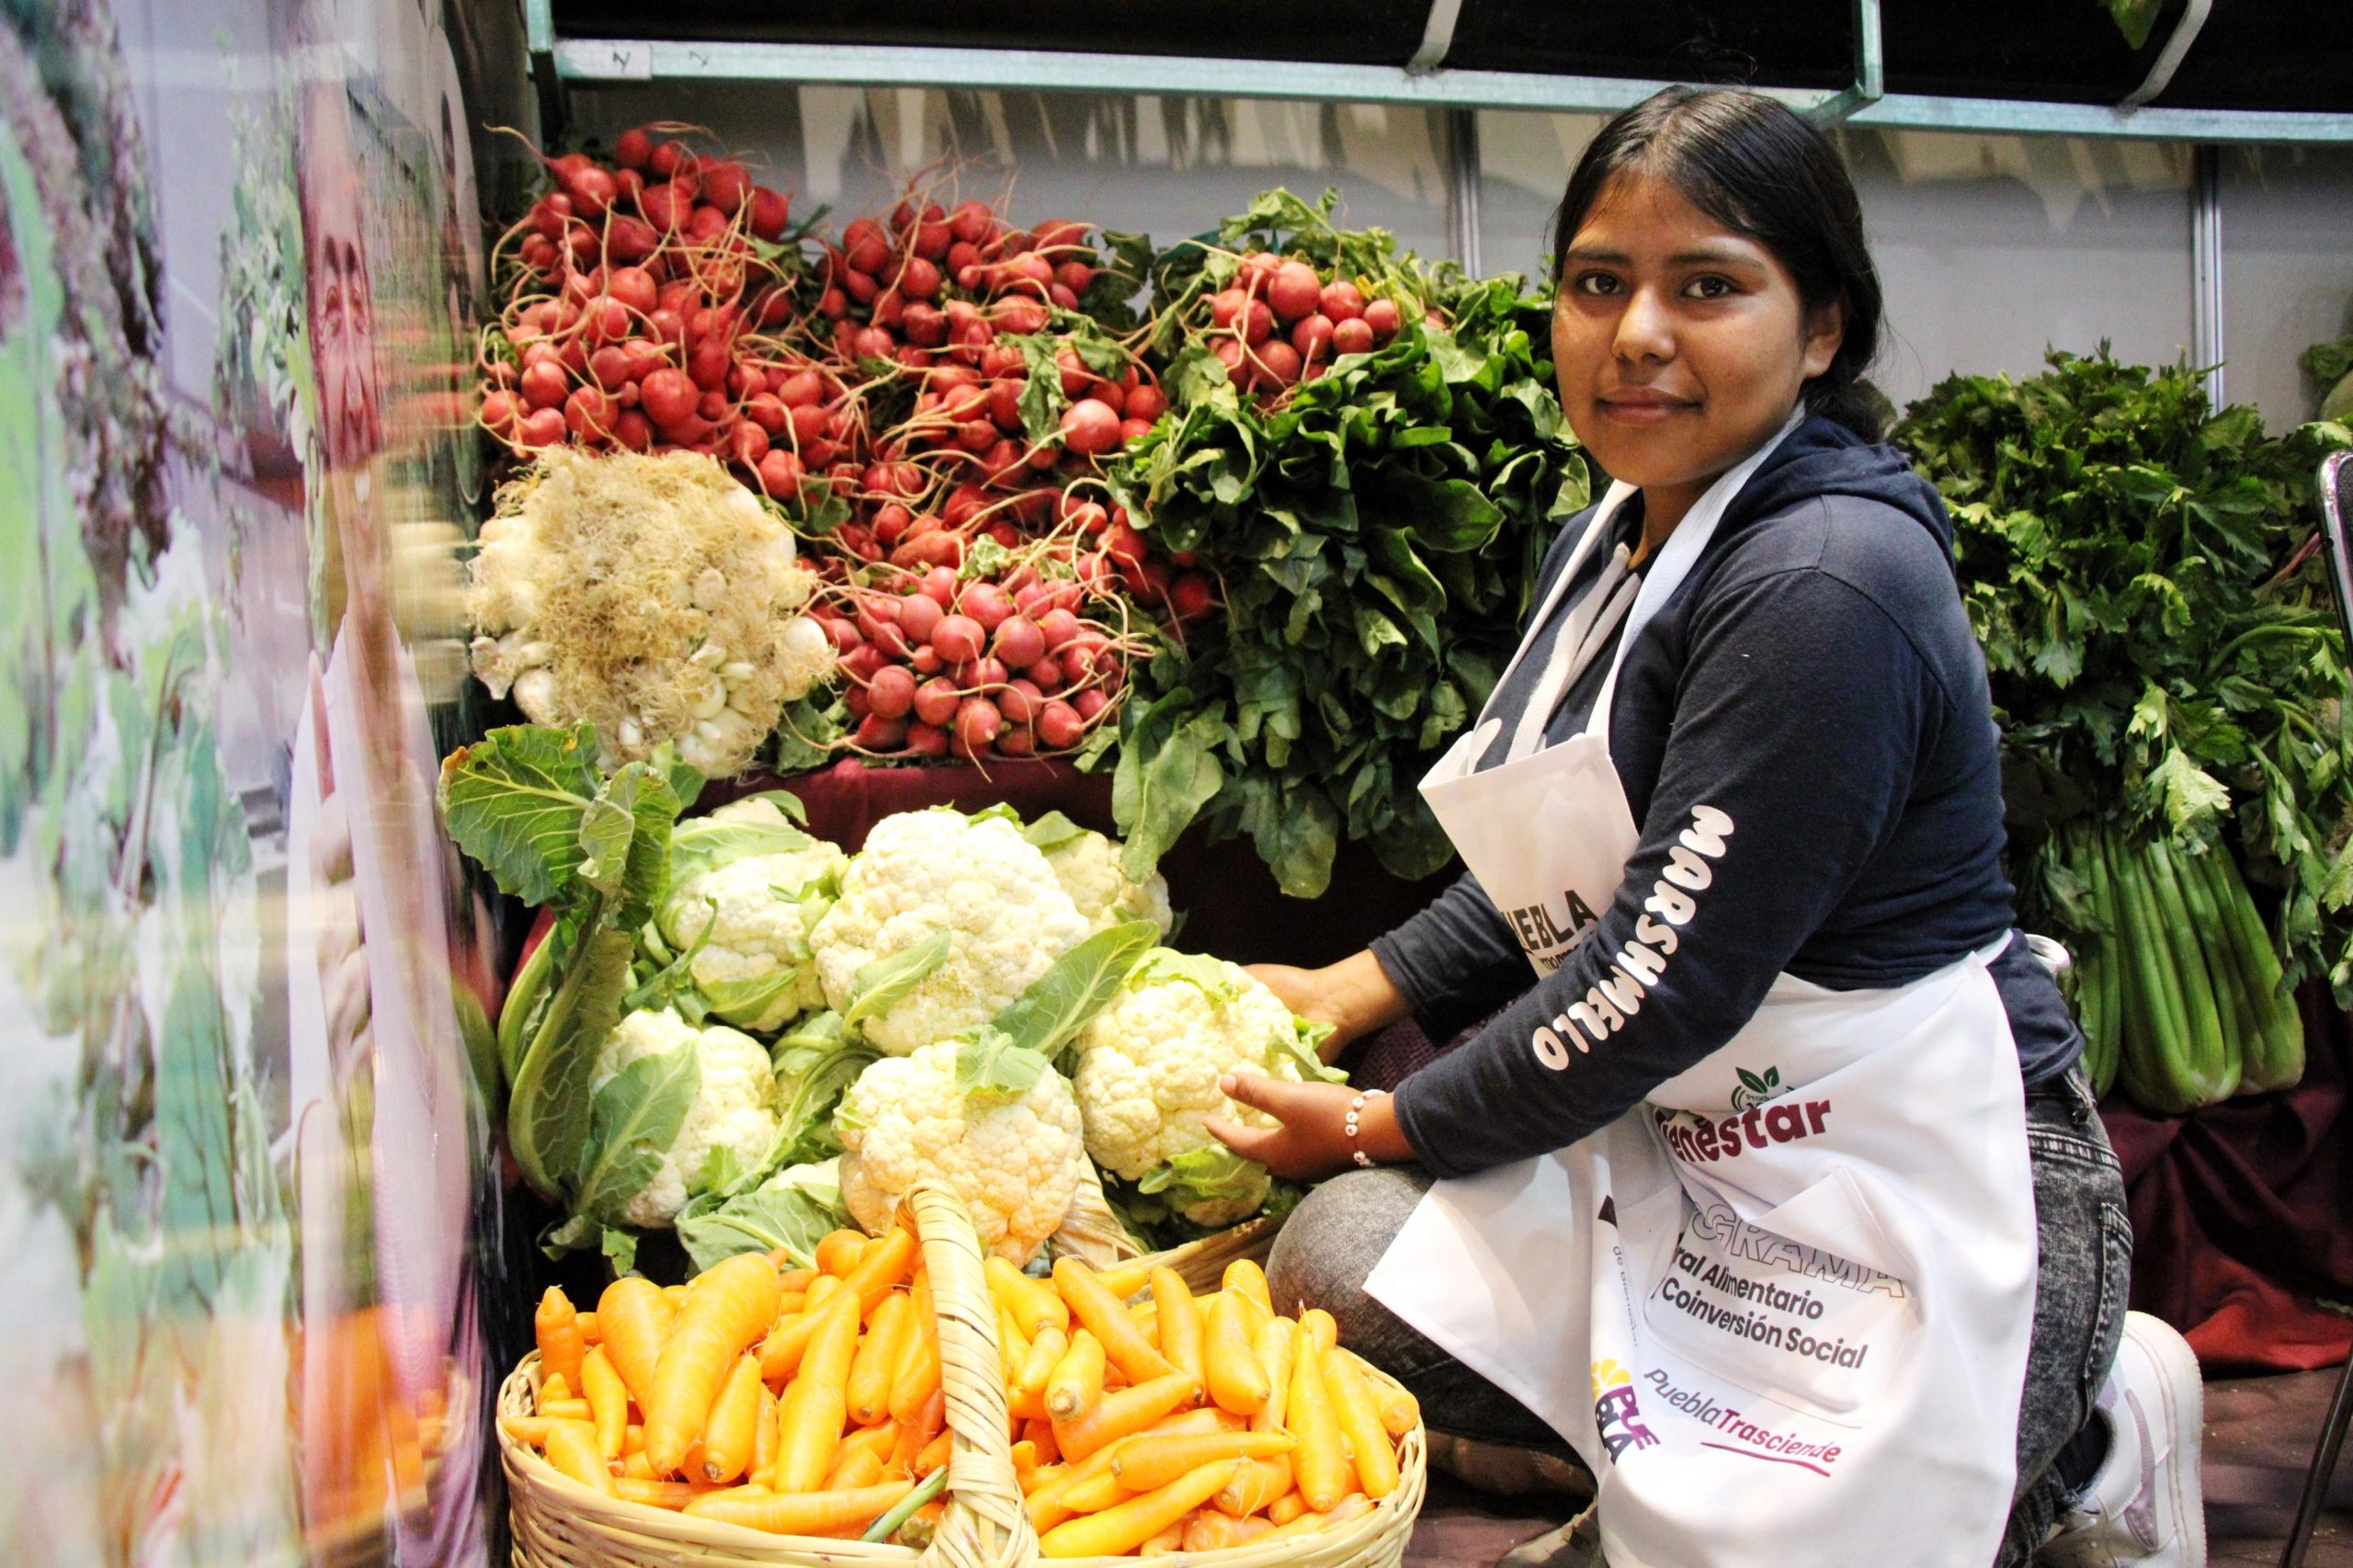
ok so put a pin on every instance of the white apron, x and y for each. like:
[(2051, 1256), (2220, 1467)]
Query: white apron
[(1781, 1309)]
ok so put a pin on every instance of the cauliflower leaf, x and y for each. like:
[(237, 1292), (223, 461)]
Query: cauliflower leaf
[(795, 1208)]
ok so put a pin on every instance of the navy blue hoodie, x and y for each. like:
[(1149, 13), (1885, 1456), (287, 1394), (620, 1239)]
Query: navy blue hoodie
[(1812, 693)]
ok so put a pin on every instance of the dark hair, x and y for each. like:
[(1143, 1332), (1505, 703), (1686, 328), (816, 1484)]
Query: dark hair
[(1752, 165)]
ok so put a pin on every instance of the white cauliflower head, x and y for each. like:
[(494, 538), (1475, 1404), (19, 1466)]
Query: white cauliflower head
[(649, 596), (1088, 865), (1013, 1159), (1148, 1066), (732, 1118), (747, 888), (966, 904)]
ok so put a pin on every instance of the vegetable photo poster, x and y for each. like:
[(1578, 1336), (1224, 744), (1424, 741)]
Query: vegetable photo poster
[(246, 1196)]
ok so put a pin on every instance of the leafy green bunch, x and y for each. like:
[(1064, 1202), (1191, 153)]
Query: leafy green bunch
[(2124, 552), (1377, 533)]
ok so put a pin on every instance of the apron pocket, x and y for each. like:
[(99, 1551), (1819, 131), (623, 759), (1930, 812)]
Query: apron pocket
[(1816, 1329)]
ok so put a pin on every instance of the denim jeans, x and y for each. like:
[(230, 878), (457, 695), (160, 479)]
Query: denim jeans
[(1330, 1246)]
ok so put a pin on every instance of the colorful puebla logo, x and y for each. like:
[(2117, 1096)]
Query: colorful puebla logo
[(1616, 1417), (1754, 1090)]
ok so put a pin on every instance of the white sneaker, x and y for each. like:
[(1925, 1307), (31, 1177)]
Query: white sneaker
[(2145, 1506)]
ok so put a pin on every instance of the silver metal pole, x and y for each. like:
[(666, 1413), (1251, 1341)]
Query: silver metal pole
[(1462, 187), (2206, 269)]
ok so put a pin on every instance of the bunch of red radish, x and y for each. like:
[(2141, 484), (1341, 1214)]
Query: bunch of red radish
[(643, 300), (928, 284), (937, 664), (1280, 322)]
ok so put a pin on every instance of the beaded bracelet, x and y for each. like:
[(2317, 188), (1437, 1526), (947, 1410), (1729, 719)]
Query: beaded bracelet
[(1356, 1108)]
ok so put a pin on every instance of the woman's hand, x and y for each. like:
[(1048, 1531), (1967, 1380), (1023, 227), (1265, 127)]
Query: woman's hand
[(1312, 1142), (1355, 996)]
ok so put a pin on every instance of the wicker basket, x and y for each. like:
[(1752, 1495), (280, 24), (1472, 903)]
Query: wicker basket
[(558, 1523)]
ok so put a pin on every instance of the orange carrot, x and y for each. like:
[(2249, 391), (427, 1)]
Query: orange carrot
[(531, 1430), (882, 1268), (875, 1440), (633, 1438), (1285, 1508), (733, 1433), (1012, 1346), (1210, 1530), (1274, 1353), (934, 1454), (589, 1332), (565, 1410), (1042, 1434), (1360, 1419), (1125, 1413), (727, 1309), (790, 1301), (572, 1449), (839, 1253), (1108, 1319), (1348, 1508), (1125, 1281), (809, 1421), (1127, 1526), (915, 1434), (557, 1328), (918, 1373), (764, 1437), (636, 1318), (1093, 1493), (1035, 1304), (1400, 1411), (675, 1294), (877, 1359), (1254, 1486), (554, 1389), (1076, 1384), (1168, 1540), (671, 1495), (1236, 1379), (801, 1513), (1321, 1328), (1319, 1462), (607, 1400), (1180, 1320), (1153, 1459), (1048, 1348), (1246, 1276), (792, 1279), (781, 1351), (854, 1467), (922, 1525)]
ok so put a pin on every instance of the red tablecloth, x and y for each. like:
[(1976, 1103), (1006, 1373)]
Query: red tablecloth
[(2242, 1214)]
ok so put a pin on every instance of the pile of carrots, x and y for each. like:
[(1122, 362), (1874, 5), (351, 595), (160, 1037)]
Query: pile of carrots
[(807, 1402), (1185, 1422)]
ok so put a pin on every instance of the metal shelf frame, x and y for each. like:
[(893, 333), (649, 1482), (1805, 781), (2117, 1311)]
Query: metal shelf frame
[(561, 65), (587, 63)]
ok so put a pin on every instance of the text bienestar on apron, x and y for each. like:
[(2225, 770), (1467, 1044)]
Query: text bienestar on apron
[(1781, 1308)]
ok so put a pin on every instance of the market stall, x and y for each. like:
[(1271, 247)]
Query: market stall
[(862, 674)]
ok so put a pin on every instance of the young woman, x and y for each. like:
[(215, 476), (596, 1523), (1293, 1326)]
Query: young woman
[(1775, 1194)]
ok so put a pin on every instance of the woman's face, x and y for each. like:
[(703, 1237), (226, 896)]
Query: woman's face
[(1680, 346)]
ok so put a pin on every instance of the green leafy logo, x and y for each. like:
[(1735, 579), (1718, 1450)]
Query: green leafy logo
[(1755, 1090)]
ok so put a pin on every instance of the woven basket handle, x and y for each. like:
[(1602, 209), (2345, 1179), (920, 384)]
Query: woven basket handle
[(985, 1525)]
